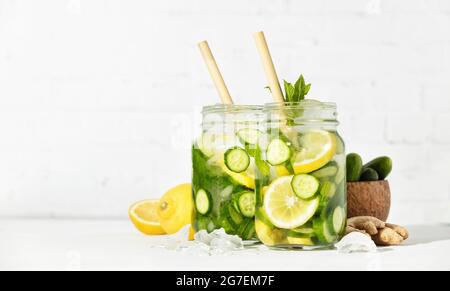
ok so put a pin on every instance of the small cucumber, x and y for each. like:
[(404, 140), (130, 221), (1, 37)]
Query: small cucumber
[(203, 202), (305, 186), (369, 174), (383, 166), (278, 152), (354, 167), (237, 160)]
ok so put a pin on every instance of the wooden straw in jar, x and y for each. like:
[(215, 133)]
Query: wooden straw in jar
[(269, 67), (274, 83), (215, 73)]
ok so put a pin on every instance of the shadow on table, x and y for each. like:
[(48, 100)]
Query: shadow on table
[(422, 234)]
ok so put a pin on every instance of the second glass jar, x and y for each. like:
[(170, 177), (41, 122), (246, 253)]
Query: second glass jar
[(301, 197)]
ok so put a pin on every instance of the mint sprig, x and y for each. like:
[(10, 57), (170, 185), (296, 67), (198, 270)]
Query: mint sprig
[(296, 92)]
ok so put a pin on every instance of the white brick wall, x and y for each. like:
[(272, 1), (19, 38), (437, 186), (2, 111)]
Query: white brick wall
[(97, 98)]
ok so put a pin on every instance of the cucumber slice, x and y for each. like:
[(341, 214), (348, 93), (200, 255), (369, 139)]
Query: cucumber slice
[(247, 204), (327, 171), (340, 145), (278, 152), (338, 220), (203, 202), (301, 232), (237, 160), (234, 215), (249, 136), (328, 189), (329, 237), (305, 186), (322, 230), (340, 175)]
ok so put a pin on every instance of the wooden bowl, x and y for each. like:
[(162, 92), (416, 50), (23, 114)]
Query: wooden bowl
[(369, 199)]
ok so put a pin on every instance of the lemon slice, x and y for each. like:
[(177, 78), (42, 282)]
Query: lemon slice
[(246, 178), (268, 235), (144, 216), (318, 148), (283, 208), (300, 241), (281, 171)]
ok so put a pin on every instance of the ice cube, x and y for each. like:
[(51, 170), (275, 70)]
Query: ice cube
[(203, 236), (356, 242)]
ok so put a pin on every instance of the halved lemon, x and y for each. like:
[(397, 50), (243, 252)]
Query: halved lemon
[(144, 216), (318, 148), (283, 208)]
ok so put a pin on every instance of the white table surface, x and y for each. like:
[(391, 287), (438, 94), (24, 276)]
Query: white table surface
[(115, 244)]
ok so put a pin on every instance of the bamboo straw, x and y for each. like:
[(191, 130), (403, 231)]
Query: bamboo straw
[(215, 73), (274, 83), (269, 67)]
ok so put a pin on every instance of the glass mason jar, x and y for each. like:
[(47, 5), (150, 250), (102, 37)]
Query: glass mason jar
[(223, 159), (301, 193)]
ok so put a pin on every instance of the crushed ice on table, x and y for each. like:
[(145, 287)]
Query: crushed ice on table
[(219, 241), (356, 242), (214, 243)]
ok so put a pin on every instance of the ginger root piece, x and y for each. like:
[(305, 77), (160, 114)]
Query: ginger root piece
[(350, 229), (367, 223), (383, 234), (399, 229), (387, 237)]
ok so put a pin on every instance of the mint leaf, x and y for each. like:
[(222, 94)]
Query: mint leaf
[(307, 88), (296, 92), (289, 92)]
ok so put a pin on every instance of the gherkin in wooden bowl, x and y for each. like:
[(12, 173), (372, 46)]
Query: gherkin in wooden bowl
[(368, 193)]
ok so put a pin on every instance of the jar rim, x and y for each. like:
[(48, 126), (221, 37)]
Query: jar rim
[(231, 108), (312, 104)]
